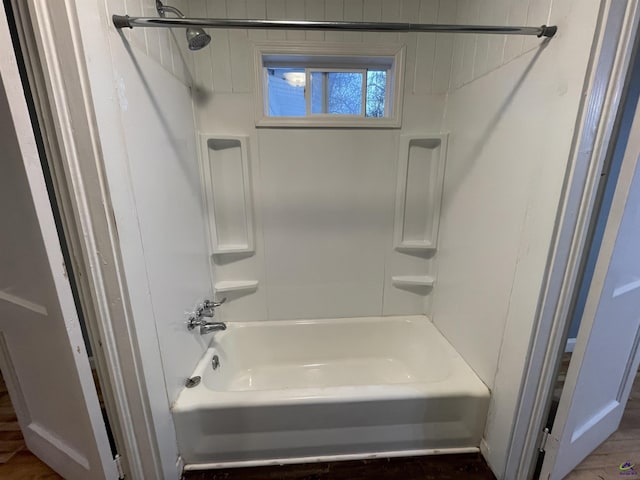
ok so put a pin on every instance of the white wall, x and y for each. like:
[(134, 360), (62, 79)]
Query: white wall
[(225, 66), (511, 125), (144, 114), (157, 123), (165, 46), (324, 199)]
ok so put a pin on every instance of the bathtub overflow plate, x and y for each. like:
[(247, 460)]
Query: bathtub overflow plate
[(215, 362), (192, 382)]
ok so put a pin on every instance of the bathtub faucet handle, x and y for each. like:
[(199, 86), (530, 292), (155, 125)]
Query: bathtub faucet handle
[(215, 304), (207, 309), (195, 321)]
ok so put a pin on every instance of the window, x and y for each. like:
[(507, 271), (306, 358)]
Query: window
[(331, 91), (307, 85)]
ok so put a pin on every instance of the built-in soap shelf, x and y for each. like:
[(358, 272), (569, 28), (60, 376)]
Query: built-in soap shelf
[(415, 246), (227, 185), (419, 191), (412, 281), (421, 162), (235, 286)]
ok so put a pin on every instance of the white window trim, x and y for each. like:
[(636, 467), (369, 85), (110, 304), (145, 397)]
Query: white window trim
[(312, 49)]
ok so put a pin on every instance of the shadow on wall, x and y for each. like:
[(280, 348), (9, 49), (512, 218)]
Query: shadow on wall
[(167, 131), (199, 94), (486, 134), (475, 151)]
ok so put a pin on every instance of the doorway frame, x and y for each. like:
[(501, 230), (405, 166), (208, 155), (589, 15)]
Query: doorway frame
[(593, 144), (67, 106), (61, 94)]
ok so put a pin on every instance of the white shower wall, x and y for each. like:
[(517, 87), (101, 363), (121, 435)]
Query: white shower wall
[(145, 122), (511, 129), (165, 46), (324, 198), (156, 191), (496, 148), (226, 66)]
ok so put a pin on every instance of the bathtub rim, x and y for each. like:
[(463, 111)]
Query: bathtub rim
[(331, 320), (461, 376), (192, 399)]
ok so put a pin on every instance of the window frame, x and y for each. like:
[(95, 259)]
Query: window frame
[(327, 57)]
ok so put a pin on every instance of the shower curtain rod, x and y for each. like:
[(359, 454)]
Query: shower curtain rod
[(125, 21)]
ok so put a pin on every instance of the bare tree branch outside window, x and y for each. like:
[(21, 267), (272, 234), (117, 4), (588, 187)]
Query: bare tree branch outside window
[(338, 93), (376, 93)]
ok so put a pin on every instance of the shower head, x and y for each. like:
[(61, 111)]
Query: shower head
[(197, 38)]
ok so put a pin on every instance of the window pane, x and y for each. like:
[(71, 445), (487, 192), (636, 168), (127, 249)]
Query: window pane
[(344, 93), (286, 92), (376, 90), (317, 98)]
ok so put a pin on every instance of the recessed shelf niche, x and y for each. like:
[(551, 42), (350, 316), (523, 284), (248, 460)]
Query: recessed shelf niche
[(419, 191), (227, 185)]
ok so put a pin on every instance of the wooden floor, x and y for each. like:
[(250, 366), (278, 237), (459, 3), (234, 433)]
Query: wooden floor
[(437, 467), (16, 462), (622, 446)]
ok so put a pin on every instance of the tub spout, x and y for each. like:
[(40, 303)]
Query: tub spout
[(212, 327)]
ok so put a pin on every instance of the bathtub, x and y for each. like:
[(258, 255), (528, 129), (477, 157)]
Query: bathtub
[(315, 390)]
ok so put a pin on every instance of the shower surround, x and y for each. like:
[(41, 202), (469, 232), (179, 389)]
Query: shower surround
[(324, 202)]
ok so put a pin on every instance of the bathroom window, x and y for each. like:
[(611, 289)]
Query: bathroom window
[(317, 86)]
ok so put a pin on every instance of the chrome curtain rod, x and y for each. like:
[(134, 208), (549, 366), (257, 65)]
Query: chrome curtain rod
[(125, 21)]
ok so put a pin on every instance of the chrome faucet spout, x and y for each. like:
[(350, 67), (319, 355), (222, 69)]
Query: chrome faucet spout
[(212, 327), (206, 310)]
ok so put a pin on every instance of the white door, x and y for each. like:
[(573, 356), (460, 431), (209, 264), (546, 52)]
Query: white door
[(42, 354), (605, 358)]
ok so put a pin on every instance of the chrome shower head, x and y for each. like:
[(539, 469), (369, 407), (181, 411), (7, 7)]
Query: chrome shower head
[(197, 38)]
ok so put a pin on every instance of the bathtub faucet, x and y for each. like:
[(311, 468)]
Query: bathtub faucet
[(205, 327), (202, 312), (212, 327)]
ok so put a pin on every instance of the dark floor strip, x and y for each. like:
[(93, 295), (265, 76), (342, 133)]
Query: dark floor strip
[(433, 467)]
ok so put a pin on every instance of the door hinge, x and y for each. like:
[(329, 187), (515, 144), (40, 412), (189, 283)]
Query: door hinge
[(118, 462), (543, 441)]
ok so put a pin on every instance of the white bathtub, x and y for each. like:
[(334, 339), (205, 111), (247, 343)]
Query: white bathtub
[(300, 391)]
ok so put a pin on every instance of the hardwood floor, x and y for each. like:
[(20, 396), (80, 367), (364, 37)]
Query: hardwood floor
[(11, 441), (16, 461), (622, 446), (24, 465), (437, 467)]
